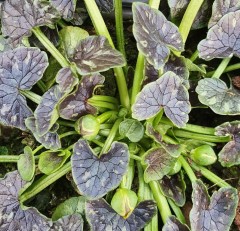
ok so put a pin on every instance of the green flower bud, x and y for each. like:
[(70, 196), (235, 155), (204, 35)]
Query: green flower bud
[(203, 155), (87, 126), (124, 201), (176, 168)]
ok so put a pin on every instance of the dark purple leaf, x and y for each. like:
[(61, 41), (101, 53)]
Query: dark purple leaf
[(75, 105), (96, 176), (20, 69), (105, 5), (159, 163), (222, 7), (65, 7), (151, 74), (154, 34), (174, 187), (50, 140), (230, 153), (102, 217), (223, 39), (222, 100), (216, 213), (166, 92), (95, 54), (173, 224), (19, 17)]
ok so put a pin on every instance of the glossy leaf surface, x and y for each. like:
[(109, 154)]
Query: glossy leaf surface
[(65, 7), (155, 35), (166, 92), (96, 176), (102, 217), (173, 224)]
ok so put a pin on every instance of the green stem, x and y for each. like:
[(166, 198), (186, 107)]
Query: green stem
[(44, 182), (106, 126), (221, 68), (187, 169), (101, 29), (50, 47), (66, 123), (32, 96), (97, 142), (106, 116), (210, 175), (42, 86), (68, 134), (102, 104), (37, 149), (177, 211), (227, 69), (105, 98), (129, 176), (134, 157), (8, 158), (194, 56)]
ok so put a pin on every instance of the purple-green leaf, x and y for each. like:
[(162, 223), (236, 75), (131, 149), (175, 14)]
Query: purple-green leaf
[(95, 54), (216, 213), (19, 17), (166, 92), (96, 176), (65, 7), (173, 224), (215, 93), (105, 6), (230, 153), (20, 69), (75, 105), (101, 216), (223, 39), (155, 35)]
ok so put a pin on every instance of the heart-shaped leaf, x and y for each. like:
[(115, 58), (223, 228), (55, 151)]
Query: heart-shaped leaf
[(65, 7), (223, 39), (159, 163), (96, 176), (20, 69), (173, 224), (105, 5), (95, 54), (222, 100), (75, 105), (216, 213), (155, 35), (50, 140), (19, 17), (230, 153), (222, 7), (26, 164), (101, 216), (166, 92)]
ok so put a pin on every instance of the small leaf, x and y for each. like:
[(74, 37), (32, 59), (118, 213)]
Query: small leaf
[(26, 164), (65, 7), (96, 176), (105, 6), (151, 74), (155, 35), (221, 99), (132, 129), (230, 153), (222, 7), (166, 92), (216, 213), (222, 39), (19, 17), (174, 187), (95, 54), (173, 224), (159, 163), (75, 105), (102, 217), (20, 69)]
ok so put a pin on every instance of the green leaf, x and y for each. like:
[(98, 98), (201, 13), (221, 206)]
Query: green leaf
[(26, 164), (132, 129)]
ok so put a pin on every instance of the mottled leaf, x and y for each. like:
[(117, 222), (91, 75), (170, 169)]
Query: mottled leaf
[(174, 187), (4, 45), (105, 5), (158, 162), (102, 217), (230, 153), (65, 7), (223, 39), (20, 69), (50, 140), (154, 34), (166, 92), (222, 100), (173, 224), (95, 54), (19, 17), (75, 105), (151, 74), (216, 213), (96, 176), (222, 7), (132, 129), (26, 164)]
